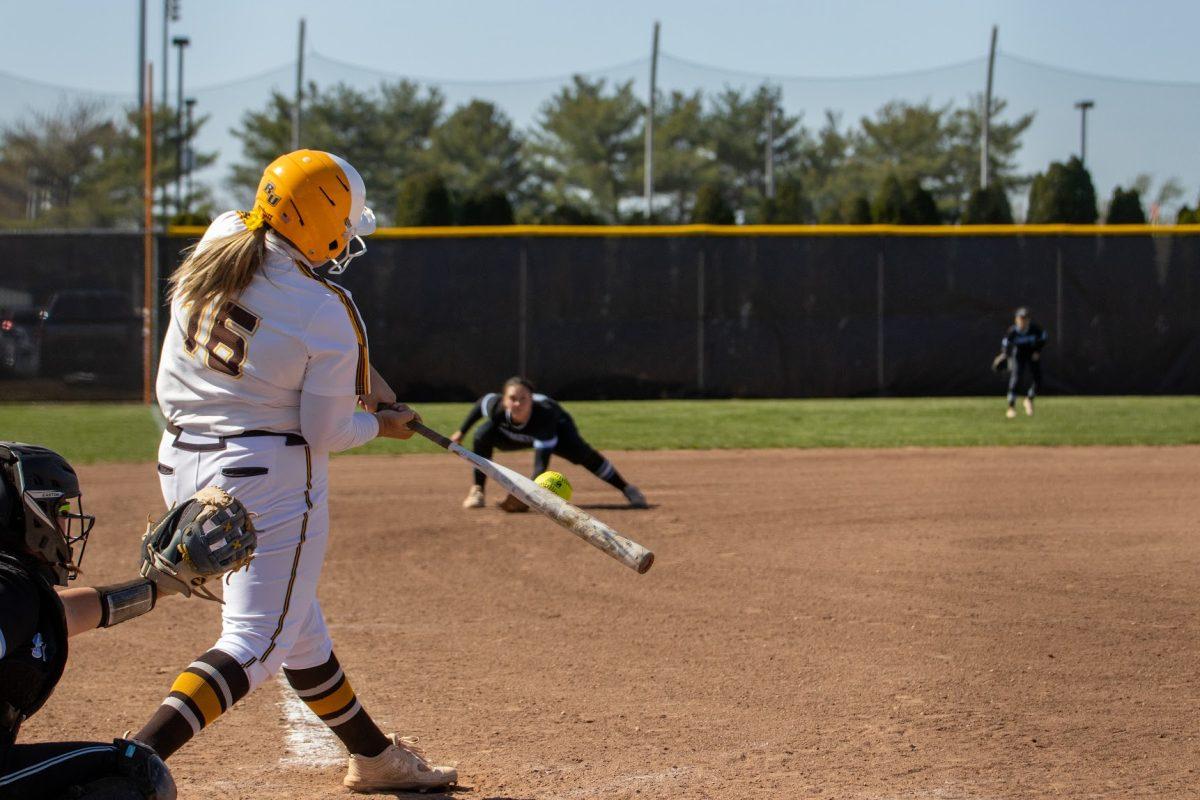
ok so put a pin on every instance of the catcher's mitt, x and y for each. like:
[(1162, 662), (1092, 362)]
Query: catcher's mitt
[(1000, 363), (512, 505), (207, 536)]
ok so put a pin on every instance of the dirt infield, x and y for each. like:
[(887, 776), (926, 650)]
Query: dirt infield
[(850, 624)]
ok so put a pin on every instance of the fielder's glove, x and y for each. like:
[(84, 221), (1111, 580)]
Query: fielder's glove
[(512, 505), (1000, 363), (207, 536)]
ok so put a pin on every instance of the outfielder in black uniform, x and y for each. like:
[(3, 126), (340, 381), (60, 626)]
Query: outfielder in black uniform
[(41, 522), (1023, 343), (517, 419)]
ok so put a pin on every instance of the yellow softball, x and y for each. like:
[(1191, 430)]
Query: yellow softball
[(555, 482)]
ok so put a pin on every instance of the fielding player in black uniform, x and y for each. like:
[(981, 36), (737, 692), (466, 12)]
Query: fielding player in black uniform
[(1023, 343), (41, 521), (518, 419)]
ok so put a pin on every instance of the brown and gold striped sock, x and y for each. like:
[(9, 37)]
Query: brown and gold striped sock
[(328, 693), (206, 689)]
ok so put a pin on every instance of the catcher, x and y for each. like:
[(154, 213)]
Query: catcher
[(41, 523)]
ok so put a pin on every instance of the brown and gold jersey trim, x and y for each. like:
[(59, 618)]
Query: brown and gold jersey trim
[(362, 372)]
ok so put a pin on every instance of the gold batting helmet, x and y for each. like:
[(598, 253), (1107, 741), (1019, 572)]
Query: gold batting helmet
[(317, 203)]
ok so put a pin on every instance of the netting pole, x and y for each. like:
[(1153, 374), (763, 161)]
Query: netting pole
[(985, 147), (149, 284), (141, 67), (649, 171), (299, 90), (770, 155)]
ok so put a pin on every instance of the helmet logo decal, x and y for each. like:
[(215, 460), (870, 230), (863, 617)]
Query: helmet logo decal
[(272, 198)]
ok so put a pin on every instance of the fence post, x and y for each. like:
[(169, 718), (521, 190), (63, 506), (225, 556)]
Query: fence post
[(523, 310), (700, 319), (1058, 294), (879, 376)]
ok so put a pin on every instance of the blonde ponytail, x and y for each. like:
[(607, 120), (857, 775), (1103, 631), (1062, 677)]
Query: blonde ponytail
[(221, 269)]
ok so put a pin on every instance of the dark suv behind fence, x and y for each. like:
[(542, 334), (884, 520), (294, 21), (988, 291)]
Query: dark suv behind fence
[(91, 336)]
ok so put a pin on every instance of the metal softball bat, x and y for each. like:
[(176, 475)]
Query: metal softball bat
[(578, 522)]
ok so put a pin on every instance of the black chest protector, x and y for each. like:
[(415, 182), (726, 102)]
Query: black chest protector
[(30, 670)]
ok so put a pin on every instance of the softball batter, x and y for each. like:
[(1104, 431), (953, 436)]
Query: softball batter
[(262, 369), (517, 419)]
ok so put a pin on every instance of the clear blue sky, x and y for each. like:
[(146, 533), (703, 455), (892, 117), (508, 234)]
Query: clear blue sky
[(91, 45)]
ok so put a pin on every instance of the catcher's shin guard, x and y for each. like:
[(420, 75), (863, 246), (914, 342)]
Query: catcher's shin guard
[(206, 689)]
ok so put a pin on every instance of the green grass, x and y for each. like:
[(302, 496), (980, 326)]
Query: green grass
[(105, 432)]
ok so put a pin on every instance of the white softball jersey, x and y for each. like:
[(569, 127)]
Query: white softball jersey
[(242, 367), (283, 363)]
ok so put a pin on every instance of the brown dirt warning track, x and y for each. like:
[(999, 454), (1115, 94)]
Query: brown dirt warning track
[(976, 623)]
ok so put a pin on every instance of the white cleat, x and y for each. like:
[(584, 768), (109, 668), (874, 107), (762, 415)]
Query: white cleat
[(474, 498), (402, 767), (1028, 407), (1011, 413), (635, 496)]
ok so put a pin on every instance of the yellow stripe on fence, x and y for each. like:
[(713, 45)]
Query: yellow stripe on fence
[(543, 231)]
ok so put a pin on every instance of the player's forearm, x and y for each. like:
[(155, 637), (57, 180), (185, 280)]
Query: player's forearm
[(541, 460), (331, 424), (473, 416), (81, 608), (88, 608)]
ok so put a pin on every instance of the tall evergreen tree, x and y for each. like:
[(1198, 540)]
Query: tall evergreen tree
[(384, 133), (919, 205), (1063, 193), (988, 207), (424, 200), (683, 160), (478, 152), (889, 205), (737, 136), (1125, 208), (790, 206), (712, 206), (586, 149)]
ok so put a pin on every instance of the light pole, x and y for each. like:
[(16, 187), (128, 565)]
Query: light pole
[(189, 155), (1083, 106), (141, 65), (180, 42), (170, 13)]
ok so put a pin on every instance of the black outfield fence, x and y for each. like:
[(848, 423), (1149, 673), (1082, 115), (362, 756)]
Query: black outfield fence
[(670, 312)]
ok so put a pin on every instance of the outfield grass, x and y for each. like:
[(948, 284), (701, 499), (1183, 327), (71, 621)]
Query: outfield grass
[(103, 432)]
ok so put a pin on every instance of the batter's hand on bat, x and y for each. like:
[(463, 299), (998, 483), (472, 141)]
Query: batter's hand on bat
[(394, 420), (381, 393), (456, 437)]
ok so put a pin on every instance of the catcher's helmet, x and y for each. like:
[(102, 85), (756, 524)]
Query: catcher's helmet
[(317, 203), (37, 521)]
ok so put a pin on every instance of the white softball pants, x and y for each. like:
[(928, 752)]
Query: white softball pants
[(271, 617)]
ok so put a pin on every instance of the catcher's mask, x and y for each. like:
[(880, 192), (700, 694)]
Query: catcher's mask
[(41, 510)]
